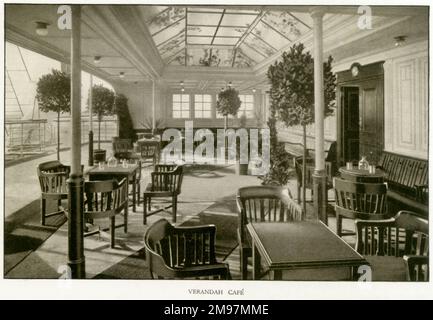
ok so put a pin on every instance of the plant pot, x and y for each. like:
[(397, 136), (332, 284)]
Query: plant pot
[(99, 155), (243, 169)]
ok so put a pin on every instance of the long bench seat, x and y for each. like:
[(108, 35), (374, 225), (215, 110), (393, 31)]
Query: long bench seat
[(407, 179)]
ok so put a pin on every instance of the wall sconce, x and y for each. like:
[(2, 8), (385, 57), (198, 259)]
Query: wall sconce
[(97, 59), (121, 75), (230, 84), (42, 28), (399, 40), (254, 90), (182, 88)]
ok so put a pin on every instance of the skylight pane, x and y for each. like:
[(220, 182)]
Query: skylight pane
[(150, 12), (270, 35), (169, 32), (237, 20), (285, 23), (209, 57), (242, 61), (201, 31), (226, 41), (259, 45), (250, 53), (178, 59), (172, 46), (165, 19), (242, 11), (206, 9), (227, 31), (305, 18), (199, 40), (208, 19)]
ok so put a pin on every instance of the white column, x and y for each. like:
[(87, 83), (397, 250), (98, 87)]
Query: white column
[(91, 104), (153, 106), (76, 91), (318, 89)]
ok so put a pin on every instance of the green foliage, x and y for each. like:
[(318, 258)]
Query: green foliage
[(292, 87), (126, 127), (53, 92), (228, 102), (103, 101)]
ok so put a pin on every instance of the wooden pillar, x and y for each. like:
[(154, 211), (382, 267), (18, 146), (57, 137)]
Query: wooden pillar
[(319, 176), (91, 122), (76, 260)]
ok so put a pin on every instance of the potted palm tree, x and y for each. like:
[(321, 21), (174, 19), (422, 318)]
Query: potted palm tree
[(103, 105)]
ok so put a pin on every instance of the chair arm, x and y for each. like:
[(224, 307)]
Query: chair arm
[(413, 261), (157, 264), (375, 223)]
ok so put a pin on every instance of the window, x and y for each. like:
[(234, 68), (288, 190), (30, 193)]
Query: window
[(180, 106), (247, 105), (202, 106)]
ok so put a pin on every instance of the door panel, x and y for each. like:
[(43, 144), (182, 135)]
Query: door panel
[(371, 119), (351, 123)]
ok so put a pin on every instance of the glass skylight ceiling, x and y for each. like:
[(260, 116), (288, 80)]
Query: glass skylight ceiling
[(214, 37)]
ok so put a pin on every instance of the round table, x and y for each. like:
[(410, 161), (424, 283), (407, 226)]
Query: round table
[(357, 175)]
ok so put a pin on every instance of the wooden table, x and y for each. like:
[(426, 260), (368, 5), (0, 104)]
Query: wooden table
[(118, 172), (357, 175), (300, 245)]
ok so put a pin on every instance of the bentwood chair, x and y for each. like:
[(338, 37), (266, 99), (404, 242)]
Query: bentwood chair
[(52, 179), (262, 204), (166, 183), (384, 242), (353, 200), (183, 252), (106, 199)]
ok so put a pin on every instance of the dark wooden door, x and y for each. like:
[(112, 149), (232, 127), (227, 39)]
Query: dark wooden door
[(360, 114), (371, 132), (350, 97)]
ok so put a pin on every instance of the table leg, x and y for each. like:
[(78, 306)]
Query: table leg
[(134, 191)]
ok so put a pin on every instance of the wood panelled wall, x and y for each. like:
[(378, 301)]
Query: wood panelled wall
[(406, 105)]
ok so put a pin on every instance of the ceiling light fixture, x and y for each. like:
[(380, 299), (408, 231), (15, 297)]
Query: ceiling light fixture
[(254, 90), (121, 75), (230, 84), (42, 28), (399, 40), (182, 88), (97, 59)]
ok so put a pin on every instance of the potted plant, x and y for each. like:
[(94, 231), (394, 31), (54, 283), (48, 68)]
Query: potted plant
[(292, 92), (126, 127), (228, 103), (103, 105), (53, 93)]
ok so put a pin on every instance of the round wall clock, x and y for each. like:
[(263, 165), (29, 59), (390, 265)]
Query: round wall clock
[(355, 68)]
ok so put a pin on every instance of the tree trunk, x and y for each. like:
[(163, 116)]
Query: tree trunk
[(304, 169), (58, 135), (99, 134)]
